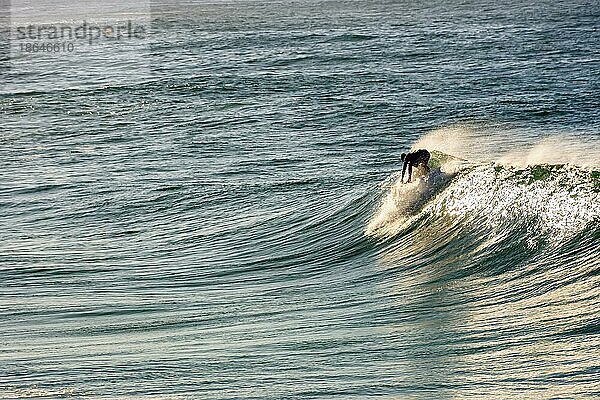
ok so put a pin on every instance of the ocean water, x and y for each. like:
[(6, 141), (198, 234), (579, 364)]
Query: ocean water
[(212, 210)]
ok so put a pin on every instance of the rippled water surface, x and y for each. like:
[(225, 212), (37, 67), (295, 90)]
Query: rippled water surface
[(212, 211)]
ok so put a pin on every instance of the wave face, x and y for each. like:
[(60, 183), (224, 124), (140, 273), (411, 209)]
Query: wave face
[(509, 259)]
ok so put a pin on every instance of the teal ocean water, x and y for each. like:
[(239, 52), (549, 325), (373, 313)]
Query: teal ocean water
[(212, 210)]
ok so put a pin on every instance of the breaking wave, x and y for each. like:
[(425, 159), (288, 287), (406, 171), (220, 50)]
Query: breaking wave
[(544, 203)]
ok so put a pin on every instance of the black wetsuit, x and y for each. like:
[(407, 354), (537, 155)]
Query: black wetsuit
[(417, 158)]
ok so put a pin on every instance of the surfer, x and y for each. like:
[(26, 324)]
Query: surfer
[(415, 159)]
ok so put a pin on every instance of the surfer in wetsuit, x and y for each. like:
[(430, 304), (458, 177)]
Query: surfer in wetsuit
[(415, 159)]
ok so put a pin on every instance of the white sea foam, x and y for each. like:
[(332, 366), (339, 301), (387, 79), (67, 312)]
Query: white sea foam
[(563, 203), (551, 202), (403, 200), (508, 182)]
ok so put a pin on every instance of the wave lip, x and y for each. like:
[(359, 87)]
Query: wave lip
[(547, 202)]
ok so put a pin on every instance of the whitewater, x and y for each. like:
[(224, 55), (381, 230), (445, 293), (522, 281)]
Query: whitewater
[(553, 199), (213, 210)]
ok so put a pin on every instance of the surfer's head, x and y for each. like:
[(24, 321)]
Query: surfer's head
[(403, 156)]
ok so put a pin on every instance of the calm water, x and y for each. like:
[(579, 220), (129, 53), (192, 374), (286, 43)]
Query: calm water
[(211, 211)]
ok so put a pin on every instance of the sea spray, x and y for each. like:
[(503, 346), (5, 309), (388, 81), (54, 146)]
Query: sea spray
[(550, 202)]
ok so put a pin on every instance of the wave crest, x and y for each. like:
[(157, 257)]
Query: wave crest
[(546, 202)]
